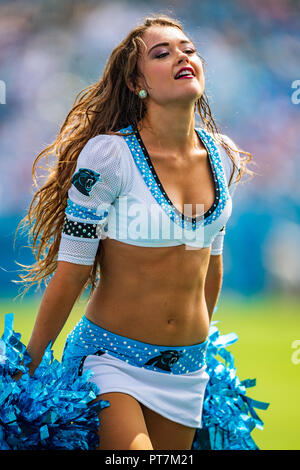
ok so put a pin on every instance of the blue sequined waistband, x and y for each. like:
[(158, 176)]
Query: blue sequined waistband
[(87, 338)]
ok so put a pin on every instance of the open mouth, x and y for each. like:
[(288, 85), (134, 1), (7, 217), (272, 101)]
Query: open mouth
[(185, 72)]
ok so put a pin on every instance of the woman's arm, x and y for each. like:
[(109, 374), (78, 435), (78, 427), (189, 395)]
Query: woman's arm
[(213, 282), (57, 303)]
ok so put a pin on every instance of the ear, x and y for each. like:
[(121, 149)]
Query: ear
[(131, 87), (135, 85)]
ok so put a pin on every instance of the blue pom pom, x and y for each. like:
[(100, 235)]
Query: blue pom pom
[(228, 415), (51, 409)]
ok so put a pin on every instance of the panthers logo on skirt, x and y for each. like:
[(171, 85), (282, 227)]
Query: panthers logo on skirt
[(165, 360), (84, 179)]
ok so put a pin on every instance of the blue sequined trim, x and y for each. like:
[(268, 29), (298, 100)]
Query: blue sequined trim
[(144, 164), (87, 338), (74, 210)]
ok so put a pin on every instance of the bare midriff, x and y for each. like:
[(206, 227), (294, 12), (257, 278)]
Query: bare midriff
[(154, 295)]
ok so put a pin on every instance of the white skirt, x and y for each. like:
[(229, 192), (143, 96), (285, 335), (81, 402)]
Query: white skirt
[(177, 397)]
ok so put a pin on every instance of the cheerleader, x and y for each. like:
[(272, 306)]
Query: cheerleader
[(136, 208)]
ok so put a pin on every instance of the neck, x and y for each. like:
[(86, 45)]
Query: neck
[(170, 127)]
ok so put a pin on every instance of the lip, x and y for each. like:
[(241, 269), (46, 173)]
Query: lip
[(190, 69)]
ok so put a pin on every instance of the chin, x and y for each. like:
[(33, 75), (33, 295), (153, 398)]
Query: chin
[(187, 96), (190, 96), (192, 91)]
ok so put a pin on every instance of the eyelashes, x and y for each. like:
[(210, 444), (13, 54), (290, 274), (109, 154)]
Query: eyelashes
[(159, 56), (164, 54)]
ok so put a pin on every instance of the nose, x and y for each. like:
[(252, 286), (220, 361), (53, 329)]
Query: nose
[(182, 57)]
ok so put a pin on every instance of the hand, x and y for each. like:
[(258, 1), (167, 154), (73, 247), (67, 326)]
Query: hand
[(31, 368), (17, 375)]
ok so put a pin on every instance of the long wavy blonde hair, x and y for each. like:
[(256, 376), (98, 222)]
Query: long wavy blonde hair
[(104, 107)]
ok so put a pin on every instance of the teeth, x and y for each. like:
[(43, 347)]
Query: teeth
[(184, 72)]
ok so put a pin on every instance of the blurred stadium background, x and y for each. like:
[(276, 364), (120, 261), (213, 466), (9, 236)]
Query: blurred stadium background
[(50, 50)]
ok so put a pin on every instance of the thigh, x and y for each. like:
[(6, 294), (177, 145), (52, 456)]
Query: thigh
[(166, 434), (122, 424)]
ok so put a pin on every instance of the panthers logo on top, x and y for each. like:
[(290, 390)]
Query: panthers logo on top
[(84, 179)]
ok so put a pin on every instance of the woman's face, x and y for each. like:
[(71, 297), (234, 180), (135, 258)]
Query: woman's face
[(171, 67)]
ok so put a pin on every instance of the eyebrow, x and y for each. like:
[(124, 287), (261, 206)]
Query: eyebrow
[(184, 41)]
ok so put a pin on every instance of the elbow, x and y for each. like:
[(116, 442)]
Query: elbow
[(73, 273), (214, 275), (215, 266)]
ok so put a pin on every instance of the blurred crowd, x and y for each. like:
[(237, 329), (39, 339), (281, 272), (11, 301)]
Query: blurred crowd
[(50, 50)]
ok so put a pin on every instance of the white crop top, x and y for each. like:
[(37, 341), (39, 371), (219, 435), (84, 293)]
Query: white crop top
[(116, 193)]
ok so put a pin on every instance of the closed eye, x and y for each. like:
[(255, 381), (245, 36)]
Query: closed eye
[(161, 55), (189, 51)]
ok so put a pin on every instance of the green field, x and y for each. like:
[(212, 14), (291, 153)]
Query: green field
[(266, 327)]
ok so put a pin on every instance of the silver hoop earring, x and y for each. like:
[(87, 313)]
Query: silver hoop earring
[(143, 94)]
